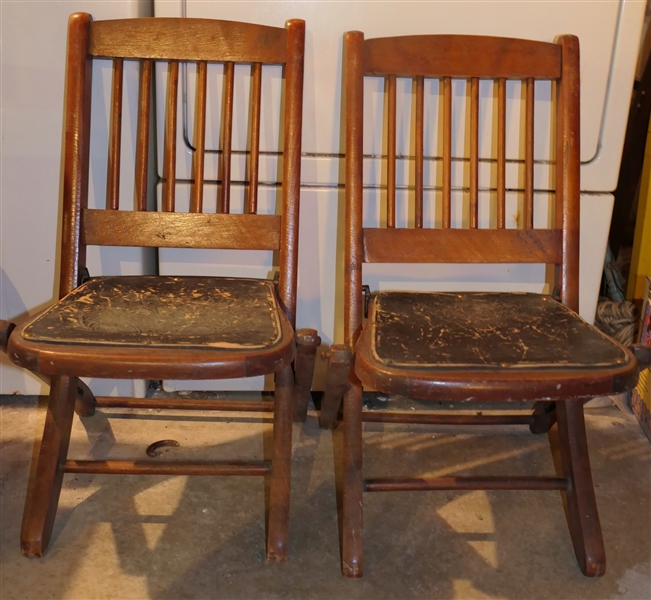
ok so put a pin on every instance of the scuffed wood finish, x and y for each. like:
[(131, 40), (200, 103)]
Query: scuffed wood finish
[(162, 38), (154, 311), (461, 56), (181, 230), (461, 246), (151, 327), (191, 348), (458, 329), (459, 346)]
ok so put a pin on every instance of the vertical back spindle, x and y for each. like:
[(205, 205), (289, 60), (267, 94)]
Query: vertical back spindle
[(391, 151), (142, 135), (256, 99), (169, 152), (447, 151), (419, 83), (115, 136), (501, 153), (196, 201), (474, 152), (528, 158), (229, 78)]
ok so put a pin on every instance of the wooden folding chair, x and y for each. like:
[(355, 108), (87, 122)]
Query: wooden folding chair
[(157, 327), (469, 346)]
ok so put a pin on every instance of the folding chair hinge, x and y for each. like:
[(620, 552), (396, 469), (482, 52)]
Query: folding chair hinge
[(84, 276), (366, 292)]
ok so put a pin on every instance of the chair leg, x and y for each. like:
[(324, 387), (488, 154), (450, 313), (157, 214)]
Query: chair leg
[(85, 403), (339, 360), (278, 528), (581, 506), (307, 341), (46, 477), (353, 509), (544, 414)]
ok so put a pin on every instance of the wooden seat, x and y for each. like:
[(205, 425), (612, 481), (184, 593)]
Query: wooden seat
[(165, 327), (225, 327), (467, 346), (415, 343)]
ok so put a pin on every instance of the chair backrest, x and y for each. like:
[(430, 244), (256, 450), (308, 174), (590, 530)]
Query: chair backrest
[(471, 58), (174, 41)]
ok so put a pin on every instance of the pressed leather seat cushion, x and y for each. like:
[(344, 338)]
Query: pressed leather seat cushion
[(492, 330), (209, 312)]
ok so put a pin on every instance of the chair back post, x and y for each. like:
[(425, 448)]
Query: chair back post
[(76, 151), (291, 187), (353, 248), (568, 169)]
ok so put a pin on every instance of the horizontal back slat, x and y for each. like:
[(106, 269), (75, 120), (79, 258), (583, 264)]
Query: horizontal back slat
[(462, 245), (461, 56), (181, 230), (162, 38)]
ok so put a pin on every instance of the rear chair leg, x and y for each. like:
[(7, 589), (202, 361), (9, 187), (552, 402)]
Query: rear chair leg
[(46, 477), (544, 414), (85, 403), (352, 563), (278, 529), (307, 341), (581, 506), (339, 359)]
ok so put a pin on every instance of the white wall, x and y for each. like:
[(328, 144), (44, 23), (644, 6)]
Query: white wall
[(32, 83)]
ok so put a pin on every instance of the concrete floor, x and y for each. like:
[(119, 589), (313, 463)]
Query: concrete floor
[(164, 537)]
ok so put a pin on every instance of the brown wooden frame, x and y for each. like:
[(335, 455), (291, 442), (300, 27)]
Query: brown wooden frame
[(292, 360), (469, 57)]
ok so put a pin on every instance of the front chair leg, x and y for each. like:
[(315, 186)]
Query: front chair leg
[(352, 563), (581, 506), (47, 475), (281, 463), (307, 341), (339, 359)]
